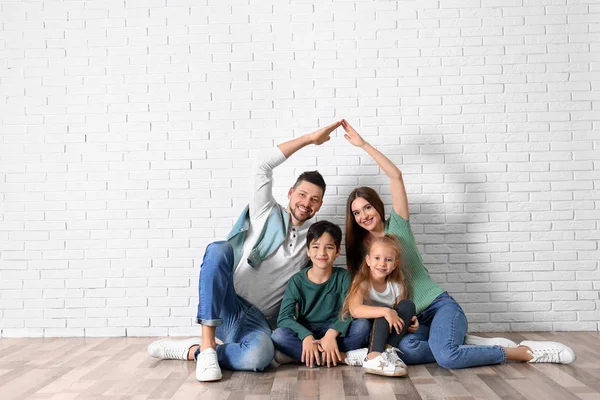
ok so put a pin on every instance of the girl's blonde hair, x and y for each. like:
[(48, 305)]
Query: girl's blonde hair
[(362, 279)]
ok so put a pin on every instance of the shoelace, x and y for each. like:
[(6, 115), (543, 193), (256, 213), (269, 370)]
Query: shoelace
[(209, 360), (546, 355), (172, 353), (393, 356), (356, 357)]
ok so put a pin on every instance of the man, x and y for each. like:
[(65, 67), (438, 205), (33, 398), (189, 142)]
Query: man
[(242, 280)]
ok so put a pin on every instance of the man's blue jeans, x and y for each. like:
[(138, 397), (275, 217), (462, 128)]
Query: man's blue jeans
[(440, 338), (288, 342), (242, 327)]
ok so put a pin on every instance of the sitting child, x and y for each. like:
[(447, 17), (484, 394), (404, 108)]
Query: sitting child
[(379, 292), (309, 326)]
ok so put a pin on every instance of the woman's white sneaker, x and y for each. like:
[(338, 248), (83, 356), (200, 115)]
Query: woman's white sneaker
[(483, 341), (382, 365), (207, 366), (549, 352), (172, 349)]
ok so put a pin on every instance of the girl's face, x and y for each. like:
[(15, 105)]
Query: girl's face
[(365, 215), (381, 260)]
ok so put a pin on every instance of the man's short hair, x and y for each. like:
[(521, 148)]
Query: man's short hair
[(319, 228), (313, 177)]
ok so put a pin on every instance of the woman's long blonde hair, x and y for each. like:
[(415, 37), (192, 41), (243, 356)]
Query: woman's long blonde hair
[(362, 279)]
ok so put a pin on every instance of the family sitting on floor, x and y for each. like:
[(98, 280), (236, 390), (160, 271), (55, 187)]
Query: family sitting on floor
[(275, 270)]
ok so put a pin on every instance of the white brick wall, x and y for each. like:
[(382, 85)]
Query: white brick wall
[(128, 127)]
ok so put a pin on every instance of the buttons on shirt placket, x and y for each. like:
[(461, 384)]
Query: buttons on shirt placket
[(292, 238)]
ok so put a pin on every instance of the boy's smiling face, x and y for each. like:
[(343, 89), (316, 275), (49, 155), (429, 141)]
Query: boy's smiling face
[(323, 251)]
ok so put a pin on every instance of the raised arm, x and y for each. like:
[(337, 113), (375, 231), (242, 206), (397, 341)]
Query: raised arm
[(397, 189), (262, 199), (317, 137)]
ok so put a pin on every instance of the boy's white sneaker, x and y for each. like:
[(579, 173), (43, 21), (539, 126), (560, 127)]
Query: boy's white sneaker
[(382, 365), (356, 357), (280, 359), (549, 352), (172, 349), (207, 366), (483, 341)]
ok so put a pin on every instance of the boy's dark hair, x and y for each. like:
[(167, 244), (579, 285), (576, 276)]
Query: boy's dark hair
[(313, 177), (317, 230)]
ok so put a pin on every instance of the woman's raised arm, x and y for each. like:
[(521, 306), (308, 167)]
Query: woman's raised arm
[(397, 189)]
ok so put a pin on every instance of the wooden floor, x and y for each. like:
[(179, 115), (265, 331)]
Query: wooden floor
[(119, 368)]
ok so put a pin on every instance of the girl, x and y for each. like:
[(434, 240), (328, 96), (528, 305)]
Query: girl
[(380, 284), (441, 335)]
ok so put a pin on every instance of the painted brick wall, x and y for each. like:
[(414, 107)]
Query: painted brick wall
[(128, 128)]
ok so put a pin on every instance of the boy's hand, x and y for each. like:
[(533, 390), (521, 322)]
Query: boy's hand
[(321, 136), (351, 135), (328, 345), (310, 351), (414, 325), (391, 316)]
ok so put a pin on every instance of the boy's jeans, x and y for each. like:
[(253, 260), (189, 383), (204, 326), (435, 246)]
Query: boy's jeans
[(244, 330), (440, 338), (288, 342)]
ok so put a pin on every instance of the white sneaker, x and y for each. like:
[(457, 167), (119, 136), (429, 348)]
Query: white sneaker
[(207, 366), (172, 349), (356, 357), (393, 357), (382, 365), (483, 341), (280, 359), (549, 352)]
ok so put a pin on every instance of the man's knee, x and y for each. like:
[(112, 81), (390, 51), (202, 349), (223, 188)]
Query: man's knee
[(217, 254), (258, 354)]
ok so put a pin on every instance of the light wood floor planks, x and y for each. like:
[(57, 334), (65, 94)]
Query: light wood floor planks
[(119, 368)]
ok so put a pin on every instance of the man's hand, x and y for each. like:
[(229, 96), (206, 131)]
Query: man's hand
[(328, 346), (351, 135), (310, 351), (391, 316), (414, 325), (321, 136)]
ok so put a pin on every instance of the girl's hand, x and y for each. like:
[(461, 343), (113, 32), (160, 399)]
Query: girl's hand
[(414, 326), (310, 351), (394, 321), (351, 135)]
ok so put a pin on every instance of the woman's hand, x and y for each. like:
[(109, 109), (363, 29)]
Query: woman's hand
[(310, 351), (414, 326), (351, 135), (394, 321)]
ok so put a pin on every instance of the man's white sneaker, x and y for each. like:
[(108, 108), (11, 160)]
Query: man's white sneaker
[(356, 357), (549, 352), (393, 357), (483, 341), (172, 349), (382, 365), (207, 366)]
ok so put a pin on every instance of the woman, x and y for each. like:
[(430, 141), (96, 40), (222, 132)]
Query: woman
[(443, 324)]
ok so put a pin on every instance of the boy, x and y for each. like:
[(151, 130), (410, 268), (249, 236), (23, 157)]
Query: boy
[(309, 326)]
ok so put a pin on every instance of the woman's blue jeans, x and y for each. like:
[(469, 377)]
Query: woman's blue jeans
[(288, 342), (440, 339), (242, 327)]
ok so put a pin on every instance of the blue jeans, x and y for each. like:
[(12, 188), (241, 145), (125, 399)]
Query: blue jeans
[(288, 342), (242, 327), (440, 338)]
